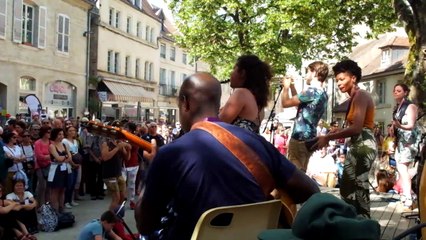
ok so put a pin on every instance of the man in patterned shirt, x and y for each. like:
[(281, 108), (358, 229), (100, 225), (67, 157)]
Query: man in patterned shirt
[(311, 104)]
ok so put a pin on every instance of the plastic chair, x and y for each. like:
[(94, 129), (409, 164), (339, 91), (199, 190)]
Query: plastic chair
[(237, 222)]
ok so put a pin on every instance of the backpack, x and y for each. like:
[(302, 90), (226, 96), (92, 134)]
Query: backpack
[(48, 219), (65, 220)]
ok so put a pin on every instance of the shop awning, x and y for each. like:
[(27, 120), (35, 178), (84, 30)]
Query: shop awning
[(128, 92)]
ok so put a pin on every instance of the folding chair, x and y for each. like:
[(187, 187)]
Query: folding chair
[(237, 222)]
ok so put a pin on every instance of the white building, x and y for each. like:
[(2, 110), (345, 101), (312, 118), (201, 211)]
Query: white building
[(43, 52), (125, 59), (137, 69)]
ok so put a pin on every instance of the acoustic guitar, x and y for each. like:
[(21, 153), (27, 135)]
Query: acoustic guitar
[(117, 133)]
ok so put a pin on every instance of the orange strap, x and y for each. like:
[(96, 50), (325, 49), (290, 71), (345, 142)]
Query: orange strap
[(242, 152)]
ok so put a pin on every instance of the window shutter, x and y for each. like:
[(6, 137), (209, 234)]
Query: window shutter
[(3, 17), (42, 24), (17, 21)]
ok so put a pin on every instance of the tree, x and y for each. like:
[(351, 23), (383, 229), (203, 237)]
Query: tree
[(284, 32), (279, 31), (413, 15)]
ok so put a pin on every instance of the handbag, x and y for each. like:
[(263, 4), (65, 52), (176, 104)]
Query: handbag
[(77, 158), (251, 160)]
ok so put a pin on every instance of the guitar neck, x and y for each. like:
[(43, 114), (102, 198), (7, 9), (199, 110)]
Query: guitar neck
[(117, 133)]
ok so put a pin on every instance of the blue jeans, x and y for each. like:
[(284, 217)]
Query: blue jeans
[(72, 178)]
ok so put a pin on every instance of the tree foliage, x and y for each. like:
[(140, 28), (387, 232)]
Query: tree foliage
[(413, 14), (281, 32)]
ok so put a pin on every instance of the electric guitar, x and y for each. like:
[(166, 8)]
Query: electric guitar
[(117, 133)]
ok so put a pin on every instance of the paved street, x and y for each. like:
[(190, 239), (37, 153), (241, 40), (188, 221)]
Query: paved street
[(85, 212)]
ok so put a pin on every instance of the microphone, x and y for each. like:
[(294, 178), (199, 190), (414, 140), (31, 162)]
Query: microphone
[(225, 81)]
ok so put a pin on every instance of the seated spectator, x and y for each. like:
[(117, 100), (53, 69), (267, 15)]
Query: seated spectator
[(99, 229), (340, 164), (11, 226), (119, 227), (25, 210), (322, 168)]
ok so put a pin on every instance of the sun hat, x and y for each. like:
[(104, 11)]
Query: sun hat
[(325, 216)]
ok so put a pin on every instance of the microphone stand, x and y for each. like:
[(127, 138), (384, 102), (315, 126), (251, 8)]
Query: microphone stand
[(272, 116)]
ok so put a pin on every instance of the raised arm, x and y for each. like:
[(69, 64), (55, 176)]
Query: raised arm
[(286, 100), (233, 106)]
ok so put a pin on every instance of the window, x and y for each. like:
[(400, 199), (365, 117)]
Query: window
[(111, 16), (3, 18), (151, 67), (27, 24), (147, 32), (117, 62), (27, 84), (151, 35), (138, 68), (129, 25), (63, 33), (172, 53), (386, 57), (381, 92), (138, 4), (117, 19), (127, 66), (139, 29), (184, 58), (163, 51), (148, 71), (162, 76), (110, 61), (172, 78)]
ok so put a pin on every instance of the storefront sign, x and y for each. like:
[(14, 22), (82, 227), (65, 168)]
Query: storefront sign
[(59, 93)]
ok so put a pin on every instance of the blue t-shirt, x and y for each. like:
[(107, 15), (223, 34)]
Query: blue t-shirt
[(313, 102), (91, 230), (195, 173)]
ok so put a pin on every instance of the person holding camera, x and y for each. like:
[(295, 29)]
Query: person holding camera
[(311, 104)]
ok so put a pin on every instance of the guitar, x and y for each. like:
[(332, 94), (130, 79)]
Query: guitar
[(117, 133)]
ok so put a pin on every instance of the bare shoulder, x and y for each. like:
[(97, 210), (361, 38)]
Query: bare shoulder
[(241, 92)]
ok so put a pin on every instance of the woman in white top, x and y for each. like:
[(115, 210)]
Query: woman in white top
[(28, 150), (75, 177), (25, 210), (14, 152)]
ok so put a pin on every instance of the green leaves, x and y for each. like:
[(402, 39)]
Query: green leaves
[(281, 32)]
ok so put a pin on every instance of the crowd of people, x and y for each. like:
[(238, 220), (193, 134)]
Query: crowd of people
[(60, 160), (57, 161)]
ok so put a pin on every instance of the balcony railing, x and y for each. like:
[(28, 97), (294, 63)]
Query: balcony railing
[(168, 90)]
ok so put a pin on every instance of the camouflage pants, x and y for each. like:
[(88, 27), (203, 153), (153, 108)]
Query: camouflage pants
[(355, 186)]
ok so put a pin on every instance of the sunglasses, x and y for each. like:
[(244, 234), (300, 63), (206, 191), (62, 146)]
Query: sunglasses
[(46, 122)]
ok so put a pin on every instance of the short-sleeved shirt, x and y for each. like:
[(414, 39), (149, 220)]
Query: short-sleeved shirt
[(15, 151), (91, 230), (313, 102), (195, 173), (13, 197)]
